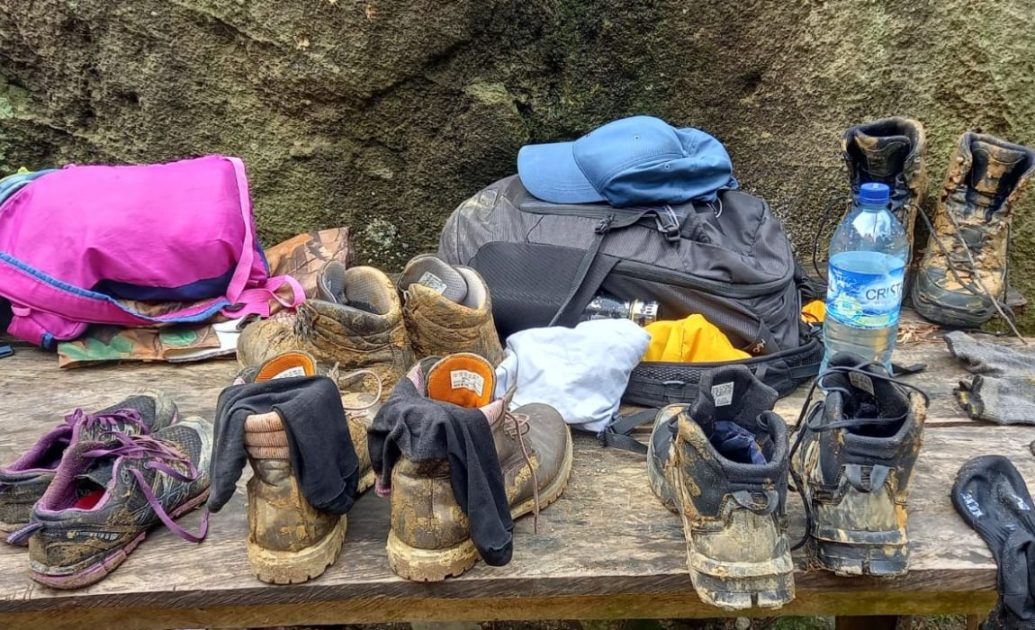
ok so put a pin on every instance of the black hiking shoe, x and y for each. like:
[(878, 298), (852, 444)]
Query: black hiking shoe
[(852, 460), (23, 481), (722, 465), (106, 496)]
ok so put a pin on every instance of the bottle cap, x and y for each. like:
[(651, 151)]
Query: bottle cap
[(874, 194)]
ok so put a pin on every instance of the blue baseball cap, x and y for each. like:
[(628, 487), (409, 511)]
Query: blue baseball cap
[(639, 160)]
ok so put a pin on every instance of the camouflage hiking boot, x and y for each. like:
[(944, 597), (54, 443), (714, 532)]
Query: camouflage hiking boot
[(889, 151), (106, 496), (355, 322), (852, 461), (430, 536), (289, 540), (721, 464), (448, 310), (964, 270), (23, 481)]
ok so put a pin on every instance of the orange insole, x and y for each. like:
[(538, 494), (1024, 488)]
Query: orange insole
[(463, 379), (285, 365)]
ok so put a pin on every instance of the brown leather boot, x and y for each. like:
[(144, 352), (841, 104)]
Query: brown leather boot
[(430, 535), (355, 322), (289, 541), (964, 270), (889, 151), (447, 310)]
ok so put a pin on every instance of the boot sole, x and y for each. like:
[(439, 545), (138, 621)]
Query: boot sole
[(435, 565), (295, 567), (741, 585), (852, 559), (99, 570)]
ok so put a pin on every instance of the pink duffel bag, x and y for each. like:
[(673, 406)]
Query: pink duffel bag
[(133, 246)]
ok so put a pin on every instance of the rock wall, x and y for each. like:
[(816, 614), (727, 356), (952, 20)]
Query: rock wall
[(384, 114)]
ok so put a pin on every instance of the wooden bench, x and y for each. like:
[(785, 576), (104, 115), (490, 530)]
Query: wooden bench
[(605, 550)]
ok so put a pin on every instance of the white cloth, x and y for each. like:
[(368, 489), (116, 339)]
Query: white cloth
[(582, 372)]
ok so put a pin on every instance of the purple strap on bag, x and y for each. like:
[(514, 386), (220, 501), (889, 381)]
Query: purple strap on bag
[(104, 244)]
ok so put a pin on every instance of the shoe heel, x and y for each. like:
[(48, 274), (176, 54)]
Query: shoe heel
[(739, 593), (849, 559), (430, 565), (295, 567)]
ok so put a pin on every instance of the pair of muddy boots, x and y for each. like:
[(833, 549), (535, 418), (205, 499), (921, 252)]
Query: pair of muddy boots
[(722, 464), (963, 274), (359, 321)]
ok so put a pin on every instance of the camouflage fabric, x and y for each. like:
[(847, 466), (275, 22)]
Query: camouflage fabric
[(889, 151), (965, 266), (304, 255), (112, 343)]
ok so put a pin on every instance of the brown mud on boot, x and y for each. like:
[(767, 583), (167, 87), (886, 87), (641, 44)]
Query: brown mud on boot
[(963, 275), (448, 310), (430, 537), (889, 151), (721, 464), (852, 461), (355, 322), (289, 541)]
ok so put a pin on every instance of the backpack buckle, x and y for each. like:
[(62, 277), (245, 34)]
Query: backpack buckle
[(668, 224)]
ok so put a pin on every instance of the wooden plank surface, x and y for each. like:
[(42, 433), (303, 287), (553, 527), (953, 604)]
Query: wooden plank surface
[(606, 549)]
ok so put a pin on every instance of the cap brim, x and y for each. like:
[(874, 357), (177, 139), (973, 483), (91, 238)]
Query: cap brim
[(550, 173)]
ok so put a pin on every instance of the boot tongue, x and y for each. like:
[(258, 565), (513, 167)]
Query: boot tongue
[(883, 156), (732, 394), (869, 393), (729, 404), (992, 165), (330, 283)]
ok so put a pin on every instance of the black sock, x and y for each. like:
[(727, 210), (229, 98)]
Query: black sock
[(992, 497)]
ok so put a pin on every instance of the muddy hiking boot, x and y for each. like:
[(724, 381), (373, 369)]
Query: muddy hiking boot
[(448, 310), (962, 279), (852, 461), (524, 455), (23, 481), (721, 464), (355, 322), (889, 151), (291, 540), (106, 495)]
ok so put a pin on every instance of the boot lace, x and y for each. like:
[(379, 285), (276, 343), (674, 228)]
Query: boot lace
[(515, 426), (335, 375), (963, 256), (811, 412)]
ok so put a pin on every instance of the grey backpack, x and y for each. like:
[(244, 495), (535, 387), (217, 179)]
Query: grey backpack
[(728, 260)]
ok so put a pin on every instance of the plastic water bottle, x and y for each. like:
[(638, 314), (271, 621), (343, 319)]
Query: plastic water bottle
[(865, 278)]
